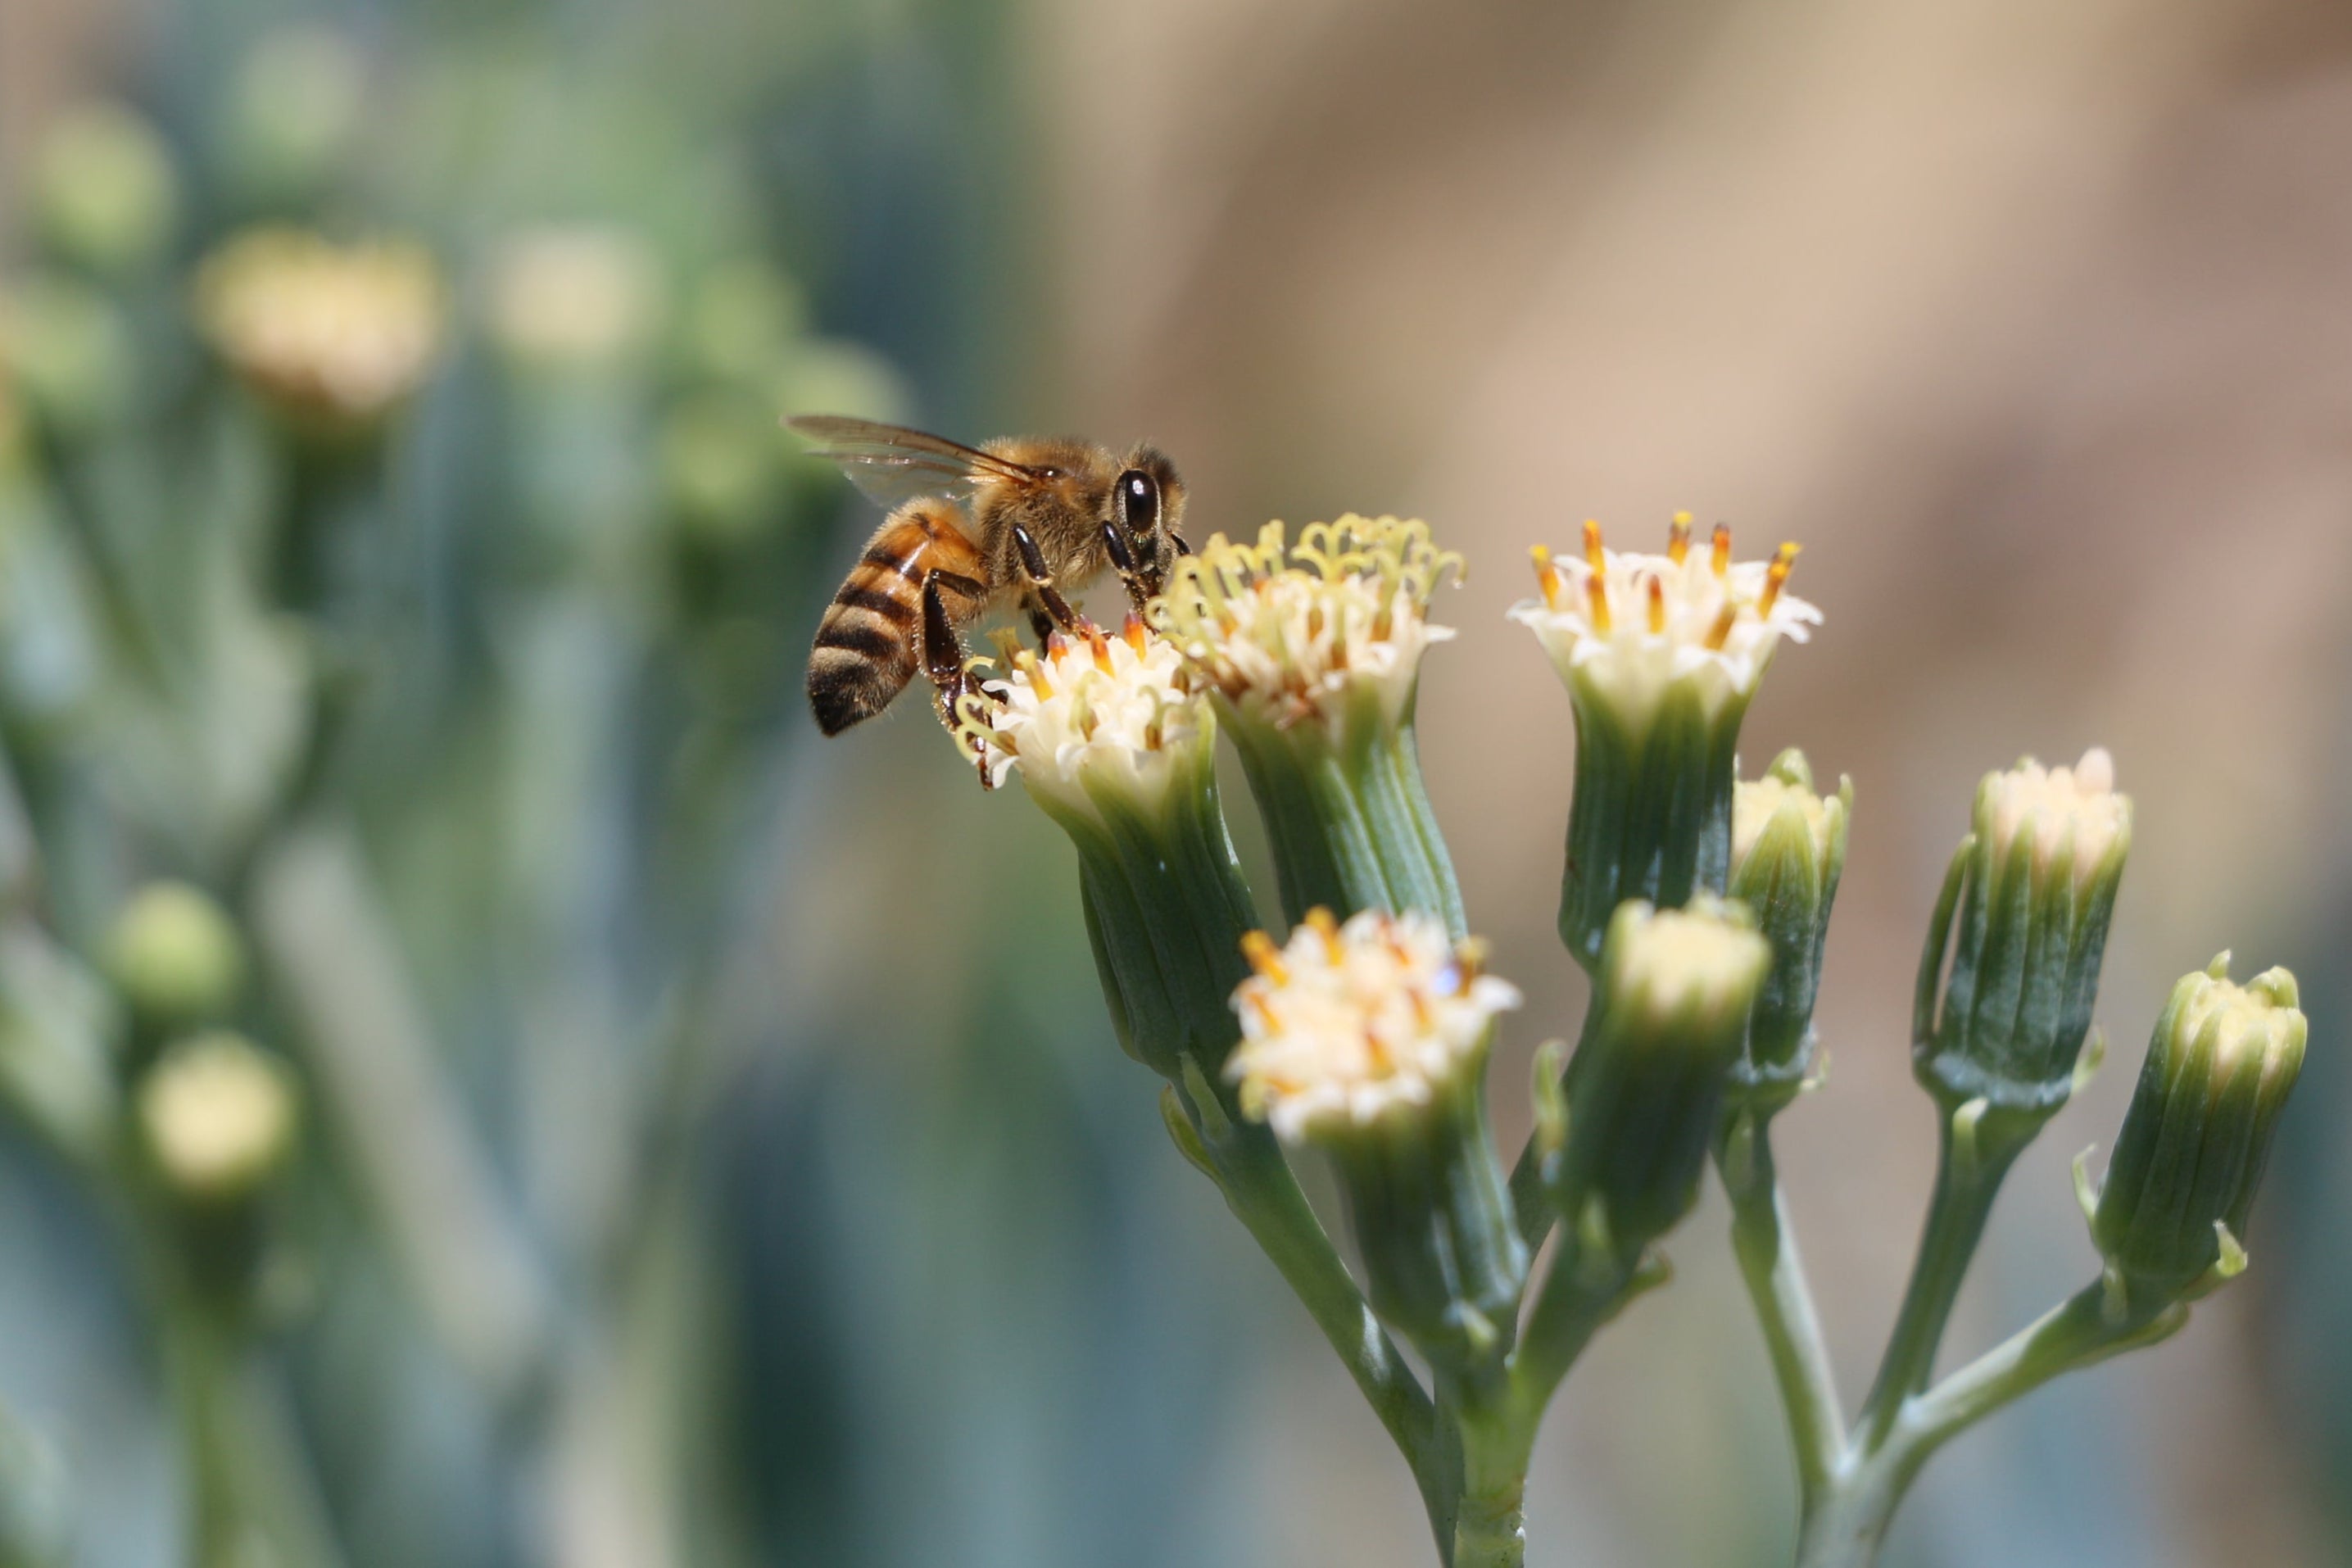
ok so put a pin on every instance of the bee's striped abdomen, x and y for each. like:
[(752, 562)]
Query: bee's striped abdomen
[(867, 645)]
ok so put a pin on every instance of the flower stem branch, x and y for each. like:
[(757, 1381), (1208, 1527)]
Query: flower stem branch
[(1776, 1284)]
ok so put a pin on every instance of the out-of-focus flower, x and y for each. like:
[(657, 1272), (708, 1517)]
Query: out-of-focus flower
[(176, 955), (742, 319), (1787, 851), (1645, 1087), (573, 298), (2025, 914), (219, 1117), (331, 334), (2219, 1067), (295, 109), (1370, 1041), (1313, 653), (68, 350), (104, 194), (1661, 655)]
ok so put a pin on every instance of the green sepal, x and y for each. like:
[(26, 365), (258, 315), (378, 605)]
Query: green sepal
[(1790, 882)]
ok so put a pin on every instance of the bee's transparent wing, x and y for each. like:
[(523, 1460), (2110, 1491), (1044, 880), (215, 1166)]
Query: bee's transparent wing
[(893, 465)]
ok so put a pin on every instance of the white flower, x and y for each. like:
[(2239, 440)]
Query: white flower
[(1293, 634), (1349, 1025), (1628, 627), (1112, 711), (336, 332), (2075, 809), (219, 1115), (572, 297), (1677, 968)]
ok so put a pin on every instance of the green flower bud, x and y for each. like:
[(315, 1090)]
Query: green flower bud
[(333, 337), (1109, 738), (1787, 850), (1370, 1041), (1644, 1089), (2024, 916), (1313, 652), (218, 1116), (176, 955), (104, 196), (298, 106), (1661, 655), (2221, 1063)]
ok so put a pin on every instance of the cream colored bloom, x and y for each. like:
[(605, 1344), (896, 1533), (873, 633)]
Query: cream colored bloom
[(1758, 803), (219, 1115), (1290, 634), (2260, 1019), (573, 296), (1116, 712), (325, 331), (2072, 809), (1628, 627), (1349, 1025)]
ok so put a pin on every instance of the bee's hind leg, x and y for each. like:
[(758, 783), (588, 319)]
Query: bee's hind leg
[(942, 651)]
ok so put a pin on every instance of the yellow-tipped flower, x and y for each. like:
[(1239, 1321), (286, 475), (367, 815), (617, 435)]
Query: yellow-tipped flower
[(1369, 1040), (1297, 633), (1661, 655), (1348, 1026), (1630, 629), (219, 1117), (332, 335)]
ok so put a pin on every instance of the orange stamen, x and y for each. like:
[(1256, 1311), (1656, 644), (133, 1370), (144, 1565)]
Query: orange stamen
[(1597, 589), (1594, 555), (1658, 606), (1721, 633), (1547, 576), (1420, 1012), (1776, 577), (1264, 957), (1135, 632), (1264, 1009), (1101, 645), (1678, 537), (1722, 561)]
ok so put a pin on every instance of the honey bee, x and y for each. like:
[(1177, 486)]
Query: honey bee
[(1014, 522)]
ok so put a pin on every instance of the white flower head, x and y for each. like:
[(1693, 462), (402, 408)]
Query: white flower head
[(1701, 963), (2076, 810), (219, 1115), (333, 332), (2262, 1018), (568, 296), (1628, 627), (1349, 1025), (1109, 711), (1783, 803), (1294, 634)]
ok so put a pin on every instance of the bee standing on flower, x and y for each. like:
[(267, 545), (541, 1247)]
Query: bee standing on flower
[(973, 529)]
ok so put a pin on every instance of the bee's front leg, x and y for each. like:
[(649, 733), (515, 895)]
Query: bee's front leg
[(1050, 611)]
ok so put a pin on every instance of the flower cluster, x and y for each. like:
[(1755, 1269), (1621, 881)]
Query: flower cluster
[(1292, 633), (1348, 1024)]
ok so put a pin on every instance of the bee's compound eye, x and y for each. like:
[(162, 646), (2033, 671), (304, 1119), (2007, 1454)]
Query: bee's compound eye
[(1138, 501)]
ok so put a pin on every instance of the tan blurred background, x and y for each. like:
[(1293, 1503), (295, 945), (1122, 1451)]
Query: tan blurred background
[(2031, 320)]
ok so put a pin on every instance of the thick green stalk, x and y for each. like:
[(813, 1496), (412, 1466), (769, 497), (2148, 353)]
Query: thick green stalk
[(1784, 1307), (1349, 817)]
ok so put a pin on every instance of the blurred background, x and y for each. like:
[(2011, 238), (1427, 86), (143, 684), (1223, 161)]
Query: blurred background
[(711, 1149)]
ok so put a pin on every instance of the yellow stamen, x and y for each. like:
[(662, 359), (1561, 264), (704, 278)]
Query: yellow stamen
[(1658, 606), (1420, 1012), (1721, 633), (1547, 576), (1265, 1011), (1678, 537), (1100, 644), (1597, 589), (1722, 562), (1030, 665), (1776, 576), (1594, 555), (1327, 926), (1264, 957)]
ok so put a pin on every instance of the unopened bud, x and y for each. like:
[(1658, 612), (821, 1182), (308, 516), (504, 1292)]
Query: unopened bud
[(219, 1117), (103, 191), (176, 955), (1787, 851)]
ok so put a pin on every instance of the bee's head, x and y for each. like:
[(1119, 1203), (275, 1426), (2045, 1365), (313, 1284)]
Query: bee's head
[(1147, 507)]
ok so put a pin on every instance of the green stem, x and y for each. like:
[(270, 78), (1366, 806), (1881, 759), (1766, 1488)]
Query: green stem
[(1784, 1306), (1969, 1173)]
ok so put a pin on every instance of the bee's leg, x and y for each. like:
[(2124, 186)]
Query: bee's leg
[(1122, 560), (941, 648), (1041, 584)]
